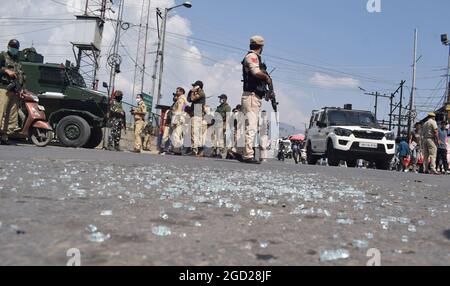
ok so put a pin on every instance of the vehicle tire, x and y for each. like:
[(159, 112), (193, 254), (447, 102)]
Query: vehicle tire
[(95, 139), (310, 158), (352, 163), (73, 131), (383, 164), (40, 137), (333, 161)]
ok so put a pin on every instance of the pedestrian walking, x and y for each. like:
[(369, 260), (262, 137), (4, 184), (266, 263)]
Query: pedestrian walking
[(441, 161)]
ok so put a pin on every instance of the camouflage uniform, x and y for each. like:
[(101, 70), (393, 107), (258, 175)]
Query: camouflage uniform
[(9, 102), (221, 130), (117, 123)]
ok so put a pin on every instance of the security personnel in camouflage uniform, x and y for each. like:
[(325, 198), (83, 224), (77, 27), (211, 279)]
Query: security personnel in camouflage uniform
[(197, 97), (221, 130), (256, 80), (117, 122), (139, 118), (10, 68)]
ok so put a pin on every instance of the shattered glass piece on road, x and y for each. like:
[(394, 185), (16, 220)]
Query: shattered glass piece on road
[(91, 228), (106, 213), (161, 231), (264, 244), (344, 221), (361, 244), (98, 237), (333, 255), (412, 228)]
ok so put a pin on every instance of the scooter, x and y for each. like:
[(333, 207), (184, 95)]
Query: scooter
[(32, 120)]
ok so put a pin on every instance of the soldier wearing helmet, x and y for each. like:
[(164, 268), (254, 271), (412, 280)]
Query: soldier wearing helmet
[(255, 81), (10, 69)]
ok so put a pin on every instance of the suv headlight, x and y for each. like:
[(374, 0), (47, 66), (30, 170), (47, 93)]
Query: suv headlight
[(343, 132), (390, 136)]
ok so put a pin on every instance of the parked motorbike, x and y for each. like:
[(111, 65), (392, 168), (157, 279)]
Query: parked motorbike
[(32, 121)]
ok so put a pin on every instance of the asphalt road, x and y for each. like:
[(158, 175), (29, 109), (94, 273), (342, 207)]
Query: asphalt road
[(130, 209)]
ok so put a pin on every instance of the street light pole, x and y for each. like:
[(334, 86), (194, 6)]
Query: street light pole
[(163, 44), (161, 64)]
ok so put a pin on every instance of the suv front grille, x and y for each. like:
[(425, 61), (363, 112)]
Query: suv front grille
[(368, 135)]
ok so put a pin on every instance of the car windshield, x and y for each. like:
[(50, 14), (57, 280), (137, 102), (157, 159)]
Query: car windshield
[(351, 118), (75, 78)]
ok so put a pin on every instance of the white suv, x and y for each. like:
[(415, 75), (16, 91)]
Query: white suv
[(343, 134)]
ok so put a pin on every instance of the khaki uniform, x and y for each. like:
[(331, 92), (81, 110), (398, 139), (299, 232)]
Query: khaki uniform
[(9, 102), (178, 121), (139, 125), (429, 145), (251, 107), (221, 129)]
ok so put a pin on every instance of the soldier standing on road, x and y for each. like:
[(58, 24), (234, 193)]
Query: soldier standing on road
[(139, 119), (197, 97), (255, 81), (221, 130), (430, 138), (117, 122), (178, 120), (10, 68)]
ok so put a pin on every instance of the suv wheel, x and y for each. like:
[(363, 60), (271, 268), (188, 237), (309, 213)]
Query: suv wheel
[(73, 131), (310, 158), (331, 155)]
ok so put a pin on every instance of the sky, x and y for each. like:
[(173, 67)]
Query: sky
[(323, 51)]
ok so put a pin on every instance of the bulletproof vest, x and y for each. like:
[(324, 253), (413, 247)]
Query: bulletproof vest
[(10, 63), (117, 109), (251, 82)]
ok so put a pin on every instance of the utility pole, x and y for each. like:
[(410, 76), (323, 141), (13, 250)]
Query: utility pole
[(399, 133), (114, 61), (158, 54), (413, 88), (141, 53), (448, 87), (391, 110), (86, 51), (163, 45), (377, 95)]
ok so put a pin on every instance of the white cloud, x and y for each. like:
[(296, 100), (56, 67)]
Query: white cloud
[(184, 63), (327, 81)]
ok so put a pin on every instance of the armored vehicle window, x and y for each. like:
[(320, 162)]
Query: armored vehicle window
[(50, 75), (75, 78)]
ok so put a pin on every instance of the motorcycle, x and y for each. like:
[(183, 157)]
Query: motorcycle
[(282, 152), (32, 121)]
